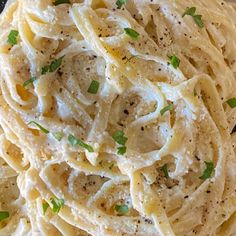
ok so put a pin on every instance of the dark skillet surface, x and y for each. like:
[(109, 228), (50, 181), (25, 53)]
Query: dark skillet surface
[(2, 4)]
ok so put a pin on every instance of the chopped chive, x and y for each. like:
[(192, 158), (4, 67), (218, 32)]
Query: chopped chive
[(39, 126), (4, 215), (58, 2), (232, 102), (45, 206), (174, 61), (190, 11), (132, 33), (195, 92), (122, 209), (121, 150), (58, 136), (55, 64), (120, 3), (57, 204), (12, 37), (94, 86), (29, 81), (45, 70), (164, 168), (207, 172), (197, 18), (75, 141), (119, 137), (170, 107)]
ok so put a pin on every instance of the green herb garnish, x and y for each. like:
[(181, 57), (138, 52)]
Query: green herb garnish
[(232, 102), (190, 11), (121, 150), (122, 209), (207, 172), (4, 215), (132, 33), (75, 141), (29, 81), (55, 64), (195, 92), (94, 86), (39, 126), (174, 61), (120, 3), (58, 136), (197, 18), (119, 137), (165, 170), (58, 2), (45, 206), (12, 37), (170, 107), (57, 204)]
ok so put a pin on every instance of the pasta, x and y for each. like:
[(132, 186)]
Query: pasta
[(117, 118)]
